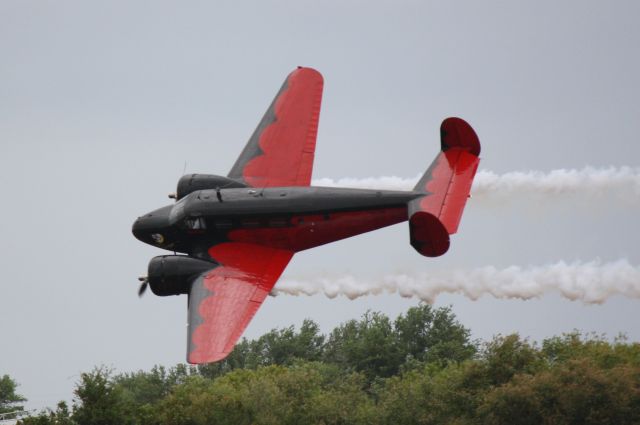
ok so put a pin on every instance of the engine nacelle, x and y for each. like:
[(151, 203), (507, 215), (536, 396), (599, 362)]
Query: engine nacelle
[(173, 274), (192, 182)]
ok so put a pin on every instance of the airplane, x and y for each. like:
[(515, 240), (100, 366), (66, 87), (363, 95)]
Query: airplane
[(236, 234)]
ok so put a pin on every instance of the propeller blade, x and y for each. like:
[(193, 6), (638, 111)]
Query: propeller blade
[(143, 288)]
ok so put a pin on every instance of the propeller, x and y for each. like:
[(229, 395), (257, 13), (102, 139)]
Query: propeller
[(143, 285)]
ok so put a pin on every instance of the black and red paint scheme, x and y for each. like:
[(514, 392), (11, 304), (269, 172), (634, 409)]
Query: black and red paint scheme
[(236, 234)]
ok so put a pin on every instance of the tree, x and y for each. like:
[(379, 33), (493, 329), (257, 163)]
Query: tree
[(140, 388), (284, 346), (239, 358), (506, 356), (99, 402), (9, 400), (276, 347), (379, 348), (302, 393), (366, 346), (573, 392), (61, 416), (576, 345), (419, 369), (433, 335)]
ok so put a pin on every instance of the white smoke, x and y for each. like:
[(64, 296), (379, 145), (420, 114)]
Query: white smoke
[(383, 183), (589, 181), (591, 283)]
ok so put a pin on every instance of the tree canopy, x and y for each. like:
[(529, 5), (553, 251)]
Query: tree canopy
[(10, 401), (421, 368)]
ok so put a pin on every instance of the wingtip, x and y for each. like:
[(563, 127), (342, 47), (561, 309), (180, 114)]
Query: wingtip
[(307, 71), (202, 358), (456, 132), (429, 235)]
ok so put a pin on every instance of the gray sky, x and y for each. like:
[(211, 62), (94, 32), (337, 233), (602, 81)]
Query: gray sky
[(102, 103)]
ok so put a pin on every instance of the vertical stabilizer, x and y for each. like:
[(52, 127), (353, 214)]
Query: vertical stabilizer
[(446, 185)]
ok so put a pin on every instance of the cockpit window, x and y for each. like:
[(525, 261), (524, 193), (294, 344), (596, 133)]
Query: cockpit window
[(177, 212), (195, 223)]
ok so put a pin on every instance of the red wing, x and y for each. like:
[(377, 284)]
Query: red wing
[(280, 152), (223, 301)]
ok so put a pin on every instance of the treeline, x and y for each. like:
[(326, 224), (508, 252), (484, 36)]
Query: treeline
[(421, 368)]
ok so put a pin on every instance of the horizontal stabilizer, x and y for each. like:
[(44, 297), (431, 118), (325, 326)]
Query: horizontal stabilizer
[(428, 235)]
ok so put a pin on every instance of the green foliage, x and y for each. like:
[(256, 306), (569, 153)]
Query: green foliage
[(431, 395), (277, 347), (421, 368), (99, 401), (304, 392), (373, 345), (575, 345), (368, 346), (241, 357), (507, 356), (61, 416), (571, 380), (379, 349), (140, 388), (9, 399), (283, 347), (432, 335), (578, 391)]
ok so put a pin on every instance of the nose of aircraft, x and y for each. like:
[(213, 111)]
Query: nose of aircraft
[(152, 228)]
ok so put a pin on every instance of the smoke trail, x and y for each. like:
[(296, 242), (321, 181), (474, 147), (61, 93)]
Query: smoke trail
[(588, 180), (591, 282), (384, 183)]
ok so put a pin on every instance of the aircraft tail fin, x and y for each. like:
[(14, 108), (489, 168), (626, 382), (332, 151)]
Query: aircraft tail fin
[(446, 185)]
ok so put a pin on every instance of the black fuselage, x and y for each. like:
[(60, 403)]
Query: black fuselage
[(294, 218)]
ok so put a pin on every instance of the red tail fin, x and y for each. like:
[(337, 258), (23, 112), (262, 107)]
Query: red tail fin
[(446, 185)]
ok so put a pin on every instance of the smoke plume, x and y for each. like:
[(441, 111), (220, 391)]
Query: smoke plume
[(591, 283), (589, 181)]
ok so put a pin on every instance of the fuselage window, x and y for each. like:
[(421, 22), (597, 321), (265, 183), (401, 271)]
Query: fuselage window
[(250, 223), (223, 224), (278, 222)]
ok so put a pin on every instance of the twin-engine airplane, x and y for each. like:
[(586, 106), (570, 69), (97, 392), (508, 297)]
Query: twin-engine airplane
[(239, 232)]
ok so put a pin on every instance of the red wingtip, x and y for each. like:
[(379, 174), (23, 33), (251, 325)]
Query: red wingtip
[(198, 358), (456, 132), (306, 73), (428, 235)]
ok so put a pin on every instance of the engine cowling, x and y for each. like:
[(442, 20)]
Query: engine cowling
[(192, 182), (173, 274)]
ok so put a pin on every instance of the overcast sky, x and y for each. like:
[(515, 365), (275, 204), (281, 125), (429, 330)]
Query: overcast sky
[(103, 103)]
